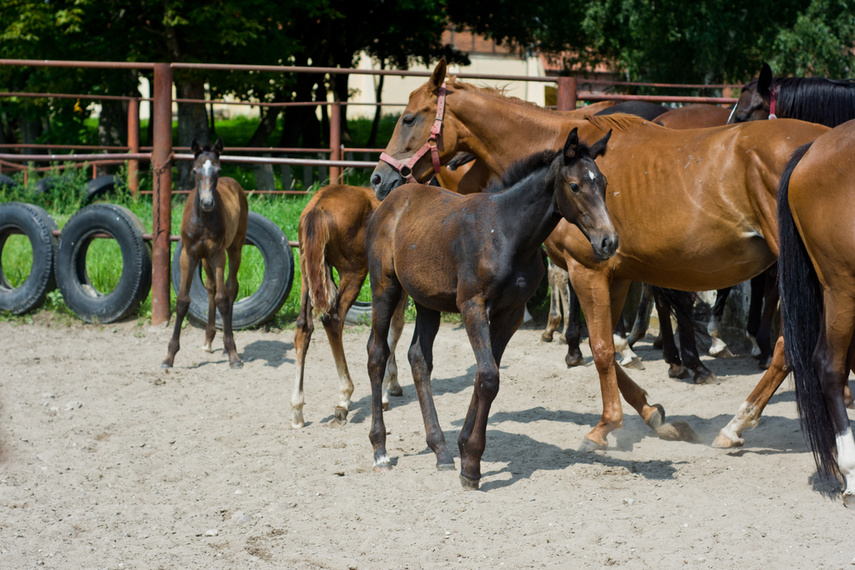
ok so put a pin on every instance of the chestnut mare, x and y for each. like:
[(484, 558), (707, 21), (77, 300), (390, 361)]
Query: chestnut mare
[(695, 210), (213, 227), (817, 283), (478, 255)]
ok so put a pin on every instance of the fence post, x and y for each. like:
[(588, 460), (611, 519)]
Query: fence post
[(134, 145), (566, 93), (161, 162), (335, 140)]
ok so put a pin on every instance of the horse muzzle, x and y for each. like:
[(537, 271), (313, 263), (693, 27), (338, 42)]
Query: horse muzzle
[(605, 246), (384, 179)]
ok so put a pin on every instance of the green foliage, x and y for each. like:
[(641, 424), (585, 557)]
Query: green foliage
[(819, 43)]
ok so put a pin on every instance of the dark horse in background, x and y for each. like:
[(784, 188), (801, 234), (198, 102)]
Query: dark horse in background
[(478, 255), (213, 229), (818, 100), (816, 206)]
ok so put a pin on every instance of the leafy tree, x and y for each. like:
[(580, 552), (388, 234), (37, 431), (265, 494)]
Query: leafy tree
[(819, 43)]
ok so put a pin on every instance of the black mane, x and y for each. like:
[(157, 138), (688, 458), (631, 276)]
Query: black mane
[(521, 168), (829, 102)]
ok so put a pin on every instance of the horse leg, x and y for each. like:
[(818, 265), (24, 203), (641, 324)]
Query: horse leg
[(755, 309), (211, 288), (573, 332), (763, 333), (749, 412), (390, 380), (688, 345), (182, 304), (628, 358), (669, 346), (718, 348), (333, 322), (472, 439), (386, 294), (642, 316), (554, 319), (302, 336), (421, 363), (226, 302)]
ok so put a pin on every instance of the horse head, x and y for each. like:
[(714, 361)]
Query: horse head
[(755, 102), (206, 170), (419, 142), (581, 196)]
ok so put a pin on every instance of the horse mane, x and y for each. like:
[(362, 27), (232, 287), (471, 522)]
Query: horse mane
[(617, 121), (523, 167), (829, 102), (492, 92)]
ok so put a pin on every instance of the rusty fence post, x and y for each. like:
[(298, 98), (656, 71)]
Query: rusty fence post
[(335, 140), (134, 145), (161, 163), (566, 93)]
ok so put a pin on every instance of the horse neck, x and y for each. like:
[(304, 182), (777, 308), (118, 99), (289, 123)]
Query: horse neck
[(528, 208), (501, 130)]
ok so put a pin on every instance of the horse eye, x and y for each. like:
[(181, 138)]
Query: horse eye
[(408, 120), (575, 188)]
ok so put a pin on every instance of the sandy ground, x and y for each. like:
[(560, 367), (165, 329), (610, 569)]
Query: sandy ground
[(110, 462)]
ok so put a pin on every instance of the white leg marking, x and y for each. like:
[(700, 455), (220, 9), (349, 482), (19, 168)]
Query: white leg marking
[(846, 459), (297, 403)]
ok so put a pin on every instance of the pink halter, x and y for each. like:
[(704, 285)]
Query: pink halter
[(406, 169), (772, 98)]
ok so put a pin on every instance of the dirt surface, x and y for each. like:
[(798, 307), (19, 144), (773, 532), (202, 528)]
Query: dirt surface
[(110, 462)]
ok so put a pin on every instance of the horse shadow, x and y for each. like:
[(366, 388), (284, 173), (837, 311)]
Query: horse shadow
[(274, 353)]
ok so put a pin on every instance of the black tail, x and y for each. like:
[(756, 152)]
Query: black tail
[(801, 315)]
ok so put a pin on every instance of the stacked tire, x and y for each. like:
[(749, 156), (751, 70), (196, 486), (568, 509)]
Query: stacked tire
[(38, 227)]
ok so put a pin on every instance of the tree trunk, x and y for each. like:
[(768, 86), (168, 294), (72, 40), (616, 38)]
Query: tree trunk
[(375, 124), (112, 126)]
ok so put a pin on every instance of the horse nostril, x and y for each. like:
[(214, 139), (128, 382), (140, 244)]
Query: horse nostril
[(376, 179)]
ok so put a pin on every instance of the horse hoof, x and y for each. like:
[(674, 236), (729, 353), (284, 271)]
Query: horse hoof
[(723, 353), (396, 391), (469, 484), (574, 360), (849, 500), (589, 445), (165, 366), (635, 363), (385, 406), (724, 442), (235, 365), (656, 417), (765, 363), (445, 466), (383, 464), (657, 344), (340, 415), (677, 371), (704, 377), (546, 337)]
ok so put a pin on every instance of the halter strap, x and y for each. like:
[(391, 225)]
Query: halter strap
[(772, 99), (406, 169)]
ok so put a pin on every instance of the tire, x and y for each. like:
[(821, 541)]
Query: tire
[(46, 184), (134, 284), (359, 313), (7, 182), (275, 286), (101, 186), (38, 226)]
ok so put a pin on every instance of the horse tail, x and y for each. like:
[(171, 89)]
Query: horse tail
[(801, 315), (314, 235)]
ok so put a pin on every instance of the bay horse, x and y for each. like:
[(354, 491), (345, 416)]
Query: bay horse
[(819, 100), (478, 255), (213, 229), (817, 282), (695, 210)]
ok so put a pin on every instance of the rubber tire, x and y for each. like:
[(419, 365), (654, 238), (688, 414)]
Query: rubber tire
[(359, 313), (134, 284), (7, 182), (46, 184), (101, 186), (38, 226), (275, 286)]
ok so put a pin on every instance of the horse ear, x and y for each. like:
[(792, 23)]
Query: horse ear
[(194, 147), (764, 81), (571, 146), (218, 146), (438, 75), (599, 147)]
